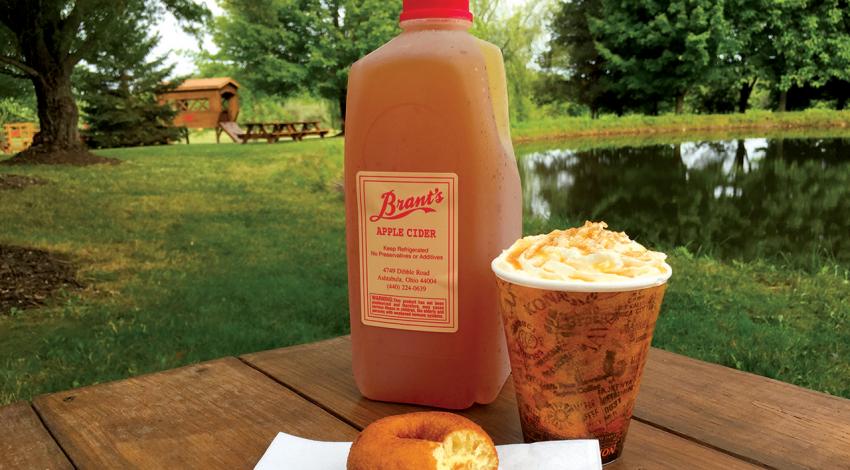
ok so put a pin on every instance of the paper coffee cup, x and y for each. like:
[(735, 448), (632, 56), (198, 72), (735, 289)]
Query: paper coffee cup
[(577, 352)]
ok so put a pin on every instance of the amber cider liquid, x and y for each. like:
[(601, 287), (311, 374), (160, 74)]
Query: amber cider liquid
[(434, 99)]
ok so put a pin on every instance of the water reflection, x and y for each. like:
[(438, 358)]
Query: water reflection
[(748, 197)]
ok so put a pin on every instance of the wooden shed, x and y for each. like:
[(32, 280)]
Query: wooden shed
[(204, 102)]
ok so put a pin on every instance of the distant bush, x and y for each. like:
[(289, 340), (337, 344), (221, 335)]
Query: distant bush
[(262, 108), (609, 124), (17, 100), (16, 110)]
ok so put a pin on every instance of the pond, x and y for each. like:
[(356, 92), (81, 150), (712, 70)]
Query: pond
[(744, 198)]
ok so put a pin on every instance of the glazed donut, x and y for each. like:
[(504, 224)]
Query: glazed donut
[(430, 440)]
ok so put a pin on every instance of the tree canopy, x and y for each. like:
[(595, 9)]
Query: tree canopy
[(659, 49), (281, 47), (649, 55), (809, 44)]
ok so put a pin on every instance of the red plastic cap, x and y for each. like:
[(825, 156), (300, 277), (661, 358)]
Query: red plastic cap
[(419, 9)]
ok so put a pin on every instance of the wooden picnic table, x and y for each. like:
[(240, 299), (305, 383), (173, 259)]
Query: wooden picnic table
[(224, 414), (270, 131), (274, 130), (310, 128)]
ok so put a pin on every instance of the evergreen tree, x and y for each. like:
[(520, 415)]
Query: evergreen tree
[(575, 70), (119, 92)]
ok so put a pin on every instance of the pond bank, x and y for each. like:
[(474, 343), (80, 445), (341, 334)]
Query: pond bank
[(671, 125)]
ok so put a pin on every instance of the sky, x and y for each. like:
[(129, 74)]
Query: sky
[(175, 43)]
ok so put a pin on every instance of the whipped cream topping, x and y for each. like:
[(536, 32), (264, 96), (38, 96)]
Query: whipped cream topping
[(590, 253)]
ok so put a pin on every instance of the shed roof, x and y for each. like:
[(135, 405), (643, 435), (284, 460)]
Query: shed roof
[(216, 83)]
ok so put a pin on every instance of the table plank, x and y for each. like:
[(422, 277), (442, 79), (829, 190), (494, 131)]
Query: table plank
[(219, 414), (772, 422), (24, 443), (332, 386), (651, 448)]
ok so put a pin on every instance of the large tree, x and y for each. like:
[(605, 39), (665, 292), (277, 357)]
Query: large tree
[(659, 49), (43, 41), (807, 42), (744, 47), (285, 46)]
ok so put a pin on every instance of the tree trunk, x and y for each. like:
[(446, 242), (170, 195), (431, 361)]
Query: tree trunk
[(680, 103), (741, 156), (841, 102), (744, 96), (342, 103), (57, 114), (783, 101), (58, 140)]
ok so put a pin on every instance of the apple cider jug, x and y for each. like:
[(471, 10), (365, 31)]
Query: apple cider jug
[(432, 195)]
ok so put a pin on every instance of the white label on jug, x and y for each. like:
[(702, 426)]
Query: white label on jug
[(408, 250)]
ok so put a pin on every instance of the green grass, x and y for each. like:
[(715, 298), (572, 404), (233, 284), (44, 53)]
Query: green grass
[(637, 125), (190, 253), (197, 252), (772, 318)]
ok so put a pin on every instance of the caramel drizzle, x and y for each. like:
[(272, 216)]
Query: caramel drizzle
[(588, 238)]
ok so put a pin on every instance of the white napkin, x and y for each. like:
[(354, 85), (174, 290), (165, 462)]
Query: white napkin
[(291, 452)]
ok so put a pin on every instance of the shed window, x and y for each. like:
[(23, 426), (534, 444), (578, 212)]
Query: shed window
[(194, 104)]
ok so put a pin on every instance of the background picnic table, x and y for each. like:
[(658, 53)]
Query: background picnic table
[(271, 131), (224, 414)]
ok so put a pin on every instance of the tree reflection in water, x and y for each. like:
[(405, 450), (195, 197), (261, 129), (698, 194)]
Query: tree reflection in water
[(786, 198)]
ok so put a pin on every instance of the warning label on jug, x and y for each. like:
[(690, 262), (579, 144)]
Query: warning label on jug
[(408, 250)]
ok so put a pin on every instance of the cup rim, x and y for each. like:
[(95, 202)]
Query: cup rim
[(639, 283)]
